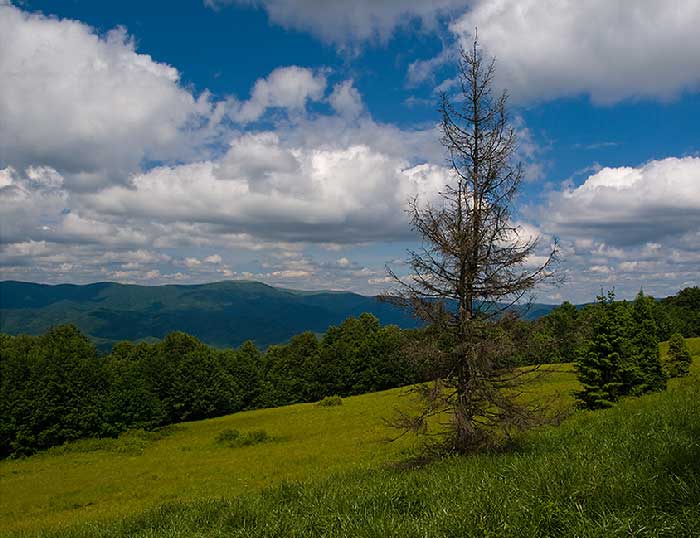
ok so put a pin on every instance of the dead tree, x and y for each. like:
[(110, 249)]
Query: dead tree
[(473, 263)]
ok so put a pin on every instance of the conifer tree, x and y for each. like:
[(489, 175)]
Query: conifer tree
[(473, 256), (645, 357), (678, 359), (599, 366)]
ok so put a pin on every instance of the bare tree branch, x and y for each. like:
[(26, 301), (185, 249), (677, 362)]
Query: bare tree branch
[(473, 264)]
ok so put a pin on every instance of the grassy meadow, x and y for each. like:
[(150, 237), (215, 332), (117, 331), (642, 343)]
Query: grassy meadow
[(633, 470)]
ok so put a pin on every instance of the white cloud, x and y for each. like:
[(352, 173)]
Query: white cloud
[(30, 203), (285, 87), (631, 205), (415, 145), (259, 158), (346, 24), (84, 229), (608, 49), (421, 70), (343, 194), (628, 227), (89, 106), (190, 263), (346, 100)]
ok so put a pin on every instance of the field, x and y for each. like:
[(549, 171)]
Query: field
[(631, 470)]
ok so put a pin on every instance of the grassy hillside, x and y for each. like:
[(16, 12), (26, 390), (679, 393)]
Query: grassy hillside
[(222, 314), (630, 471), (104, 479)]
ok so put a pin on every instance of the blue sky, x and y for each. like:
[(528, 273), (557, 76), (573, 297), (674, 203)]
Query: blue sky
[(278, 140)]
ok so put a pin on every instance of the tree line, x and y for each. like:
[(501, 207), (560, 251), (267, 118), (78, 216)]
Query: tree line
[(565, 332), (55, 387)]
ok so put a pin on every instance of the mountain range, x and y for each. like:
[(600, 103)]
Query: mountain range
[(222, 314)]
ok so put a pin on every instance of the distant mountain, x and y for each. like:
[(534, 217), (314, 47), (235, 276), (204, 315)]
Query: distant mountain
[(223, 314)]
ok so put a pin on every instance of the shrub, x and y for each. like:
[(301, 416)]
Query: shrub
[(129, 442), (233, 438), (678, 358), (330, 401)]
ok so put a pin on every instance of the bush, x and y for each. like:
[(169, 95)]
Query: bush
[(330, 401), (678, 359), (129, 442), (233, 438)]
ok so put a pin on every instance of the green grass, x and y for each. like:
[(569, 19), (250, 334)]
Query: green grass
[(633, 470), (236, 439), (82, 482)]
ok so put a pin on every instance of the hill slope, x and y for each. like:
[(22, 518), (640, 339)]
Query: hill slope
[(630, 470), (222, 314)]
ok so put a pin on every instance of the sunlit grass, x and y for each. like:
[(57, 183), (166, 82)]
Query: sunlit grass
[(107, 480), (84, 482)]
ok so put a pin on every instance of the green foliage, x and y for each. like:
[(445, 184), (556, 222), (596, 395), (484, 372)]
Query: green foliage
[(233, 438), (131, 442), (683, 312), (678, 358), (55, 388), (202, 387), (131, 401), (245, 365), (561, 333), (330, 401), (291, 374), (361, 356), (622, 356), (644, 371), (51, 391), (599, 365)]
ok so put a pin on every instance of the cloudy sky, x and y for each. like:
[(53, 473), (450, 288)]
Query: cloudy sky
[(279, 140)]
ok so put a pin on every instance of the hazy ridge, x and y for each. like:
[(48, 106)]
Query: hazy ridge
[(219, 313)]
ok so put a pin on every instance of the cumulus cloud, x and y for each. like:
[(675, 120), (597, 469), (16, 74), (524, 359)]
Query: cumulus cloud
[(289, 88), (631, 205), (628, 227), (343, 194), (608, 49), (416, 145), (346, 100), (347, 25), (86, 105), (31, 203), (77, 206)]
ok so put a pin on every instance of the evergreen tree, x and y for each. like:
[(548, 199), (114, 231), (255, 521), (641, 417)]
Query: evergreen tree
[(599, 365), (645, 359), (678, 359)]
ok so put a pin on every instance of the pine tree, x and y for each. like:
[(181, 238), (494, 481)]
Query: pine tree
[(678, 358), (645, 357), (599, 366)]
